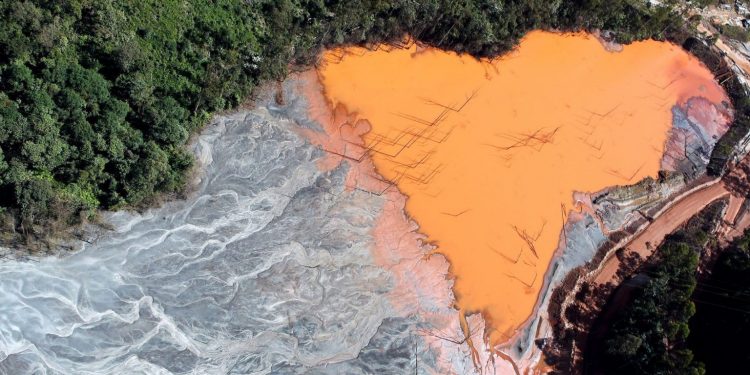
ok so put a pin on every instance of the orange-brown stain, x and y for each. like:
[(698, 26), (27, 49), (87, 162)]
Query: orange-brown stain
[(489, 153)]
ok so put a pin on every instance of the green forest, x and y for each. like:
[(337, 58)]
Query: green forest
[(680, 322), (650, 335), (721, 323), (98, 99)]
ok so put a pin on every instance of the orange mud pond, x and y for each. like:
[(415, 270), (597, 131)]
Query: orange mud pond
[(489, 153)]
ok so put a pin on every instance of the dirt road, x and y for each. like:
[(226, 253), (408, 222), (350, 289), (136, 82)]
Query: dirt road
[(667, 222)]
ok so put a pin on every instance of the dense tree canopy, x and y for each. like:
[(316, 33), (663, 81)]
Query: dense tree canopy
[(721, 324), (650, 335), (98, 98), (682, 324)]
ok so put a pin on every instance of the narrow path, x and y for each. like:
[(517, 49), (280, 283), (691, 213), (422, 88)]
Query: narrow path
[(739, 220), (735, 203)]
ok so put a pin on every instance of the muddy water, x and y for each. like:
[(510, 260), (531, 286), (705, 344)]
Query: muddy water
[(489, 153)]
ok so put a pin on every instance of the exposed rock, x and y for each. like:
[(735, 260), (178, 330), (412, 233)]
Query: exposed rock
[(697, 126), (617, 207)]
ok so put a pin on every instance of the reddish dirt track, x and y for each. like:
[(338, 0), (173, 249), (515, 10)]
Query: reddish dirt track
[(667, 222)]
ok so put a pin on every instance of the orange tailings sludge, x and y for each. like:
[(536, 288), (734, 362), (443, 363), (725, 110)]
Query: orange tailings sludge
[(489, 153)]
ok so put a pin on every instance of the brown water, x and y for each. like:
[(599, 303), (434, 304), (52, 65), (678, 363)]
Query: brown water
[(489, 153)]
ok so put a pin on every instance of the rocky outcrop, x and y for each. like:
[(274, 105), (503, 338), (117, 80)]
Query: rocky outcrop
[(619, 206), (697, 126)]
